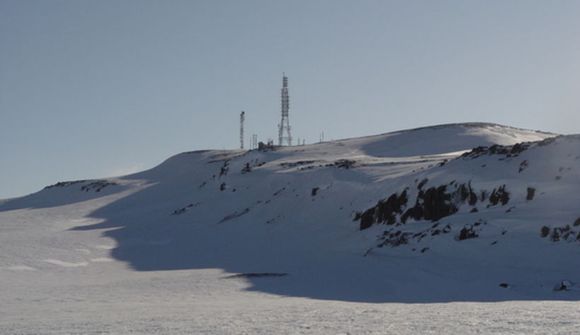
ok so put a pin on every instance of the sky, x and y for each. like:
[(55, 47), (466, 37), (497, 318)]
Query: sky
[(92, 89)]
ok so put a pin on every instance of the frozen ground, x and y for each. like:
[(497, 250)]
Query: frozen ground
[(158, 251)]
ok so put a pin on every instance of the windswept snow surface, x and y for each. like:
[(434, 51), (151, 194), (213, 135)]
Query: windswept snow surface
[(262, 242)]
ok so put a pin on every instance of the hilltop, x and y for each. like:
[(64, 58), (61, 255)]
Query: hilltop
[(450, 213)]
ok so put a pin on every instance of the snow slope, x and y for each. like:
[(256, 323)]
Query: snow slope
[(213, 239)]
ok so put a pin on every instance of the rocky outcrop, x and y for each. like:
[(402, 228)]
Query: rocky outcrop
[(504, 150), (386, 211), (94, 185), (430, 204), (557, 234)]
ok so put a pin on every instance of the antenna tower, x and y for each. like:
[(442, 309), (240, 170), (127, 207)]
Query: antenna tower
[(242, 119), (284, 126)]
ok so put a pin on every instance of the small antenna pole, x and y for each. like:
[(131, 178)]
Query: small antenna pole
[(242, 119), (254, 141)]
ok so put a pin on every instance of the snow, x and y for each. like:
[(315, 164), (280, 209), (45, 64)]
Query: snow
[(155, 251)]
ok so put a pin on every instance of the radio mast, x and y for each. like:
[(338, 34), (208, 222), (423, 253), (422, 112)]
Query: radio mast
[(284, 134)]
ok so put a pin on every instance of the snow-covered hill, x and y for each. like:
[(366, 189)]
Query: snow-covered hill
[(458, 212)]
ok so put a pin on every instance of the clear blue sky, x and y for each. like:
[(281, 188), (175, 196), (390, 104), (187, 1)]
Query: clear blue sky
[(97, 88)]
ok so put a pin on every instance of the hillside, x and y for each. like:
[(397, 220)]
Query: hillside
[(461, 212)]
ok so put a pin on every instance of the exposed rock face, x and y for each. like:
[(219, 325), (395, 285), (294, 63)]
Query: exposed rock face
[(344, 163), (508, 150), (385, 211), (557, 234), (65, 184), (89, 185), (431, 204), (97, 186)]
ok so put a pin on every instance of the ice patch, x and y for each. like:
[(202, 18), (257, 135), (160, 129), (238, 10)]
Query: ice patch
[(66, 264), (20, 268), (105, 247), (102, 260)]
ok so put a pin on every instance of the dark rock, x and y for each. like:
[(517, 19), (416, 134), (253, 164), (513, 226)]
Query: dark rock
[(507, 151), (531, 193), (545, 231), (97, 186), (564, 285), (385, 211), (225, 168), (314, 191), (257, 274), (437, 203), (431, 204), (178, 211), (277, 193), (466, 233), (397, 239), (65, 184), (555, 237), (247, 168), (294, 164), (483, 196), (504, 285), (466, 194), (235, 215), (499, 195), (344, 163), (366, 219), (422, 183)]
